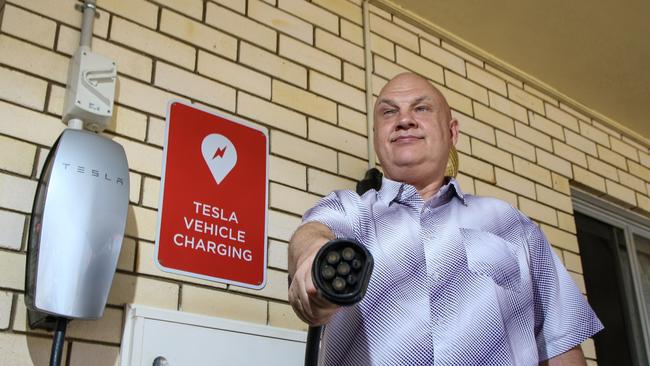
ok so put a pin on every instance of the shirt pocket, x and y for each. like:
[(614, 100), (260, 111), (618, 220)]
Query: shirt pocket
[(492, 256)]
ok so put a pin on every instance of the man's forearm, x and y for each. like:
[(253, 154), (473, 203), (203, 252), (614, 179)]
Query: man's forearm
[(305, 241), (572, 357)]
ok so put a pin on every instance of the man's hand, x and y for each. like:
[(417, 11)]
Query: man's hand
[(303, 295)]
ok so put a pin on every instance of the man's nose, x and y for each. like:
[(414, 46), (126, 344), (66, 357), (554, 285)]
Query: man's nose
[(405, 121)]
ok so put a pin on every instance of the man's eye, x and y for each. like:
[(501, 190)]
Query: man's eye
[(389, 112), (422, 108)]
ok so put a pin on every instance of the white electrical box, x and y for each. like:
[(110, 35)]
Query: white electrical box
[(91, 89), (180, 339)]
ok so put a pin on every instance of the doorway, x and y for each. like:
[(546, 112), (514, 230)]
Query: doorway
[(615, 252)]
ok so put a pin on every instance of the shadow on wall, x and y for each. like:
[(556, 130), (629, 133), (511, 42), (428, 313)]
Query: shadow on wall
[(39, 350), (112, 124), (2, 10)]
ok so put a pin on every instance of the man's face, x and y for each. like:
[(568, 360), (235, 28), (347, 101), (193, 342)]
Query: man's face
[(413, 130)]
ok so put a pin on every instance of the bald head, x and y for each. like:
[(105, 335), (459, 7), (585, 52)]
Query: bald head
[(407, 80)]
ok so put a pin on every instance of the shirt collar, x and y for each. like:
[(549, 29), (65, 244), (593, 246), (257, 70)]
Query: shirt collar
[(393, 191)]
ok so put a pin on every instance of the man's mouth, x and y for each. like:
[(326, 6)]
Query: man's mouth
[(405, 138)]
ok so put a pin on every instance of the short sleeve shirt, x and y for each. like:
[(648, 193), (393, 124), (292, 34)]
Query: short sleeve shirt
[(458, 280)]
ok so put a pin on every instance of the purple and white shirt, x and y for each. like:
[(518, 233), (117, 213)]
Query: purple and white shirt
[(458, 280)]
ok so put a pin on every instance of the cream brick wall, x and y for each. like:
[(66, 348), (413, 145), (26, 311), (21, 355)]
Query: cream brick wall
[(310, 56), (354, 75), (273, 64), (298, 68), (101, 354), (152, 43), (494, 118), (303, 101), (31, 94), (12, 226), (533, 136), (198, 34), (6, 302), (19, 349)]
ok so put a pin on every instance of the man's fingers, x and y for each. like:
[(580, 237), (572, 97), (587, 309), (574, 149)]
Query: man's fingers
[(310, 288), (300, 299), (306, 287), (321, 302), (313, 293), (305, 299), (297, 303)]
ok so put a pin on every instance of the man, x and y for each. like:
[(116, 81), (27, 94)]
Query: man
[(458, 279)]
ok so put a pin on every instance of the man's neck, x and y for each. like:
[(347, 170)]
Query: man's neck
[(430, 190)]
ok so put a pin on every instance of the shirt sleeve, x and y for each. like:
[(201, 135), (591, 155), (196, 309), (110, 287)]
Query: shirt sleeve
[(563, 318), (337, 212)]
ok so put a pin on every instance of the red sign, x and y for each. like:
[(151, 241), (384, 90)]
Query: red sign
[(213, 199)]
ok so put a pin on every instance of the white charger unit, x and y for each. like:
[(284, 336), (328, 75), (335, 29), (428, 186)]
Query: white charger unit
[(91, 89), (77, 226)]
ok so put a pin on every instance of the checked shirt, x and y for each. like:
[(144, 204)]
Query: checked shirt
[(458, 280)]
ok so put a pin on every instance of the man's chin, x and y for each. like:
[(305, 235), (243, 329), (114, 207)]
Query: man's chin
[(402, 170), (409, 162)]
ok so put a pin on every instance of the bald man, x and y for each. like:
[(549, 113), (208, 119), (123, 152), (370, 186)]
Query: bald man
[(458, 279)]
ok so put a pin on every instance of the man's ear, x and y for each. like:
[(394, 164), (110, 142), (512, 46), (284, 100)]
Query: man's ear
[(454, 129)]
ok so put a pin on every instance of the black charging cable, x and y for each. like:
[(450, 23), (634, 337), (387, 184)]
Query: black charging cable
[(347, 286), (58, 341)]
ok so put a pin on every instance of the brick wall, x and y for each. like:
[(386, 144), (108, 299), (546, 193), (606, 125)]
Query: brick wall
[(296, 67)]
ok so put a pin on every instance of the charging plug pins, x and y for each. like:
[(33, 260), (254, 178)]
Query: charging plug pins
[(339, 284), (333, 257), (328, 272), (341, 271)]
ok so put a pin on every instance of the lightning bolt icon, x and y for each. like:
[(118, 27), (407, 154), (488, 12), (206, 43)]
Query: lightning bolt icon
[(219, 153)]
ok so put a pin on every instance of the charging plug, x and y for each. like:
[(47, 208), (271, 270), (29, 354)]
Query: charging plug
[(341, 271)]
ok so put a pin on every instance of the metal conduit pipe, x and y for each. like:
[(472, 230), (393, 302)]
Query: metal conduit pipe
[(373, 177), (89, 10), (368, 70)]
